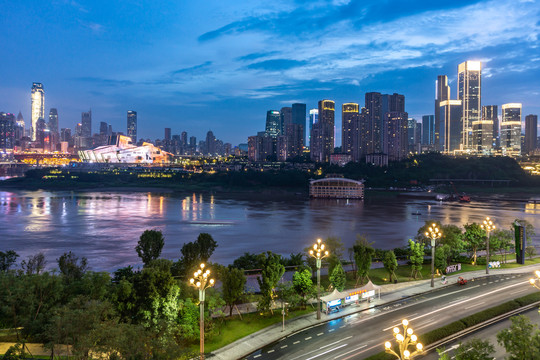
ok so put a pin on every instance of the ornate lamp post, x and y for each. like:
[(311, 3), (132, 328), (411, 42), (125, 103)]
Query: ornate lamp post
[(534, 282), (433, 233), (318, 253), (201, 280), (487, 226), (404, 341)]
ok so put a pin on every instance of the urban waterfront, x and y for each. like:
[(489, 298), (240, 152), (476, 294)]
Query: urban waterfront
[(105, 226)]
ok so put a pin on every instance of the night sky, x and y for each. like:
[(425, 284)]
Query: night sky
[(221, 64)]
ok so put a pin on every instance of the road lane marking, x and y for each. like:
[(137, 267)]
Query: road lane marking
[(284, 346), (319, 334), (470, 307), (296, 342), (342, 326), (322, 347), (348, 352), (369, 348), (256, 356), (307, 338), (331, 330), (270, 351), (326, 352)]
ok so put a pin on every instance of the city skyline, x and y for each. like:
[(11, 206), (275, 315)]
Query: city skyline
[(191, 75)]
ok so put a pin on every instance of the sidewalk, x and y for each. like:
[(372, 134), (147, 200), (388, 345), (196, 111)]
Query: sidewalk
[(389, 293)]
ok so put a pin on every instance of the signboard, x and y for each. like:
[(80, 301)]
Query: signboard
[(368, 294), (520, 242), (336, 302), (453, 268), (350, 299)]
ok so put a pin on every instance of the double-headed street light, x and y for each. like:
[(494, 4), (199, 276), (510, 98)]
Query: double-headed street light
[(487, 226), (404, 341), (433, 233), (318, 253), (201, 280)]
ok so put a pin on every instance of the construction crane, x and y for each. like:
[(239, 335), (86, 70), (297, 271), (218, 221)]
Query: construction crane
[(461, 198)]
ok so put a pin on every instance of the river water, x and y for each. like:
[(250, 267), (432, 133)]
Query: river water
[(105, 226)]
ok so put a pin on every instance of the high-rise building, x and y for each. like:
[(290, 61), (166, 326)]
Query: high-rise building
[(350, 130), (38, 106), (86, 124), (451, 125), (313, 119), (511, 129), (490, 116), (531, 134), (322, 136), (411, 133), (41, 126), (273, 119), (377, 105), (210, 143), (103, 128), (428, 129), (132, 125), (7, 131), (65, 135), (19, 127), (442, 93), (167, 134), (184, 142), (470, 93), (285, 119), (53, 120), (395, 139), (261, 147), (299, 118)]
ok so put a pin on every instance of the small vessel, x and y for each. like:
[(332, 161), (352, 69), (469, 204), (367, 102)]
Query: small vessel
[(416, 213)]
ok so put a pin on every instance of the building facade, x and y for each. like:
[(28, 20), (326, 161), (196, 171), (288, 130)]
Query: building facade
[(273, 119), (442, 93), (490, 114), (428, 129), (350, 130), (38, 106), (531, 134), (7, 131), (323, 132), (470, 93), (450, 135), (132, 125), (511, 129)]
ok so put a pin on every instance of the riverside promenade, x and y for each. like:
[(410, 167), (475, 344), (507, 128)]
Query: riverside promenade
[(389, 293)]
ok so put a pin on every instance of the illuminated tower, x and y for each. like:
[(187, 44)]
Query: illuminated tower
[(511, 129), (428, 129), (273, 119), (132, 125), (531, 132), (350, 117), (322, 136), (53, 120), (490, 115), (442, 93), (38, 106), (450, 112), (313, 119), (285, 119), (470, 92)]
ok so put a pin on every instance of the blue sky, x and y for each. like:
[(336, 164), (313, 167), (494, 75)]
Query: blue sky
[(220, 64)]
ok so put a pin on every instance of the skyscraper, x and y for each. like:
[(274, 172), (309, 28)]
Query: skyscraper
[(428, 129), (377, 105), (442, 93), (490, 116), (132, 125), (470, 92), (285, 119), (350, 136), (511, 129), (53, 120), (7, 131), (299, 118), (313, 118), (273, 119), (167, 134), (451, 125), (38, 106), (395, 137), (103, 128), (323, 132), (86, 124), (531, 133), (210, 143)]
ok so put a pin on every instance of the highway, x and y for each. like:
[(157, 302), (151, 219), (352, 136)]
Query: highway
[(363, 334)]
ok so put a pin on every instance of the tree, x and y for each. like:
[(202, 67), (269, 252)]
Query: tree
[(521, 340), (206, 245), (452, 236), (337, 277), (35, 264), (194, 253), (416, 257), (530, 251), (248, 261), (390, 264), (233, 282), (335, 248), (7, 259), (475, 349), (504, 240), (271, 272), (71, 267), (302, 284), (475, 238), (363, 254), (150, 244), (441, 258)]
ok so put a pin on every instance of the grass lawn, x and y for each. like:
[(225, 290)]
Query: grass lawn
[(232, 329)]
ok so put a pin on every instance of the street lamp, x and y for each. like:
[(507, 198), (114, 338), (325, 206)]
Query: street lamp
[(201, 280), (487, 226), (534, 282), (433, 233), (404, 341), (318, 253)]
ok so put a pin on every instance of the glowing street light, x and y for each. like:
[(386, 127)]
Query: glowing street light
[(433, 233), (201, 280), (404, 341), (536, 281), (318, 253), (487, 226)]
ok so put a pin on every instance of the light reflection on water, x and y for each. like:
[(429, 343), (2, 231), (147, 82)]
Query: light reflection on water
[(105, 227)]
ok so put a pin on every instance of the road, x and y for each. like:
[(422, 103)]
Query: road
[(489, 333), (363, 334)]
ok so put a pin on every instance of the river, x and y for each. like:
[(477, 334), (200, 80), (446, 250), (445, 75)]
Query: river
[(105, 226)]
